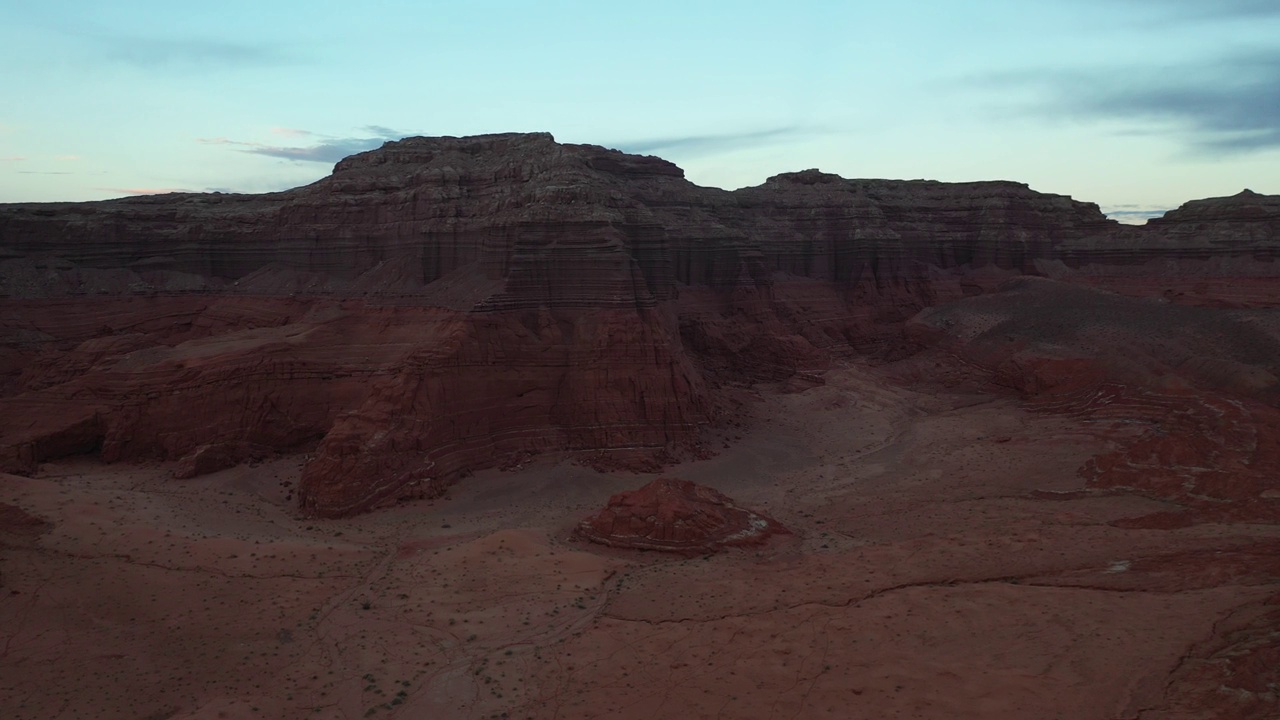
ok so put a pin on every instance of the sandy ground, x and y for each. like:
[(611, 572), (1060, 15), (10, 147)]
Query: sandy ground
[(949, 563)]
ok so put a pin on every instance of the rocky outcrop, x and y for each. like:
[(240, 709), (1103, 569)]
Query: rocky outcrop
[(678, 516), (1245, 221), (399, 400), (439, 304), (493, 385), (514, 207), (1037, 335), (1218, 252), (1189, 396)]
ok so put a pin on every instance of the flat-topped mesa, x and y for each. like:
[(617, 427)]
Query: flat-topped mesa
[(508, 148), (554, 221), (521, 201), (678, 516), (1244, 223), (841, 229), (538, 214), (423, 150), (1245, 206), (1236, 237), (507, 206)]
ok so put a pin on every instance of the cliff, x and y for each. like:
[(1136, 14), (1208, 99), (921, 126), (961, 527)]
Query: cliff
[(444, 304)]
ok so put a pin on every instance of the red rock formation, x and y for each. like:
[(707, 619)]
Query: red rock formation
[(1240, 664), (1220, 252), (1189, 395), (677, 516), (404, 398), (1246, 220), (440, 304), (496, 384)]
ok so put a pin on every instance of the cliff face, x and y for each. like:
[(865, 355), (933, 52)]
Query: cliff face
[(519, 206), (512, 207), (495, 386), (445, 304), (1245, 221), (400, 399)]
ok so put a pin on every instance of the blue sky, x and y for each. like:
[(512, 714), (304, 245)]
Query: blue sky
[(1138, 105)]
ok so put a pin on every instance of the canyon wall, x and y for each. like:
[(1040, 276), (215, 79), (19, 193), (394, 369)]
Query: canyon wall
[(446, 304)]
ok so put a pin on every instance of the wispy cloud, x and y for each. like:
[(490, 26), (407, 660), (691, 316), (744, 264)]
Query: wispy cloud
[(1227, 106), (44, 172), (713, 143), (12, 158), (67, 158), (323, 148), (117, 41), (383, 131), (143, 191), (1205, 9), (186, 52), (291, 132)]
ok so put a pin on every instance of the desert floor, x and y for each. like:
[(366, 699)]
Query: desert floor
[(948, 562)]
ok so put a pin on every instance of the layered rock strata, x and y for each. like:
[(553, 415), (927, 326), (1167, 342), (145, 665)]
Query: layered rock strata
[(440, 304)]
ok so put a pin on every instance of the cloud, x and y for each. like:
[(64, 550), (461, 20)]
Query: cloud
[(1207, 9), (1227, 106), (143, 191), (290, 132), (12, 158), (168, 49), (1134, 214), (712, 144), (325, 149), (383, 131), (67, 158), (188, 52), (43, 172)]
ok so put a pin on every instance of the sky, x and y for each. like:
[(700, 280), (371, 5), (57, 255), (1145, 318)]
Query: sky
[(1137, 105)]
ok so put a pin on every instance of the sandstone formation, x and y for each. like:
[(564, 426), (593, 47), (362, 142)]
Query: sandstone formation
[(440, 304), (1191, 394), (1029, 455), (679, 516)]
